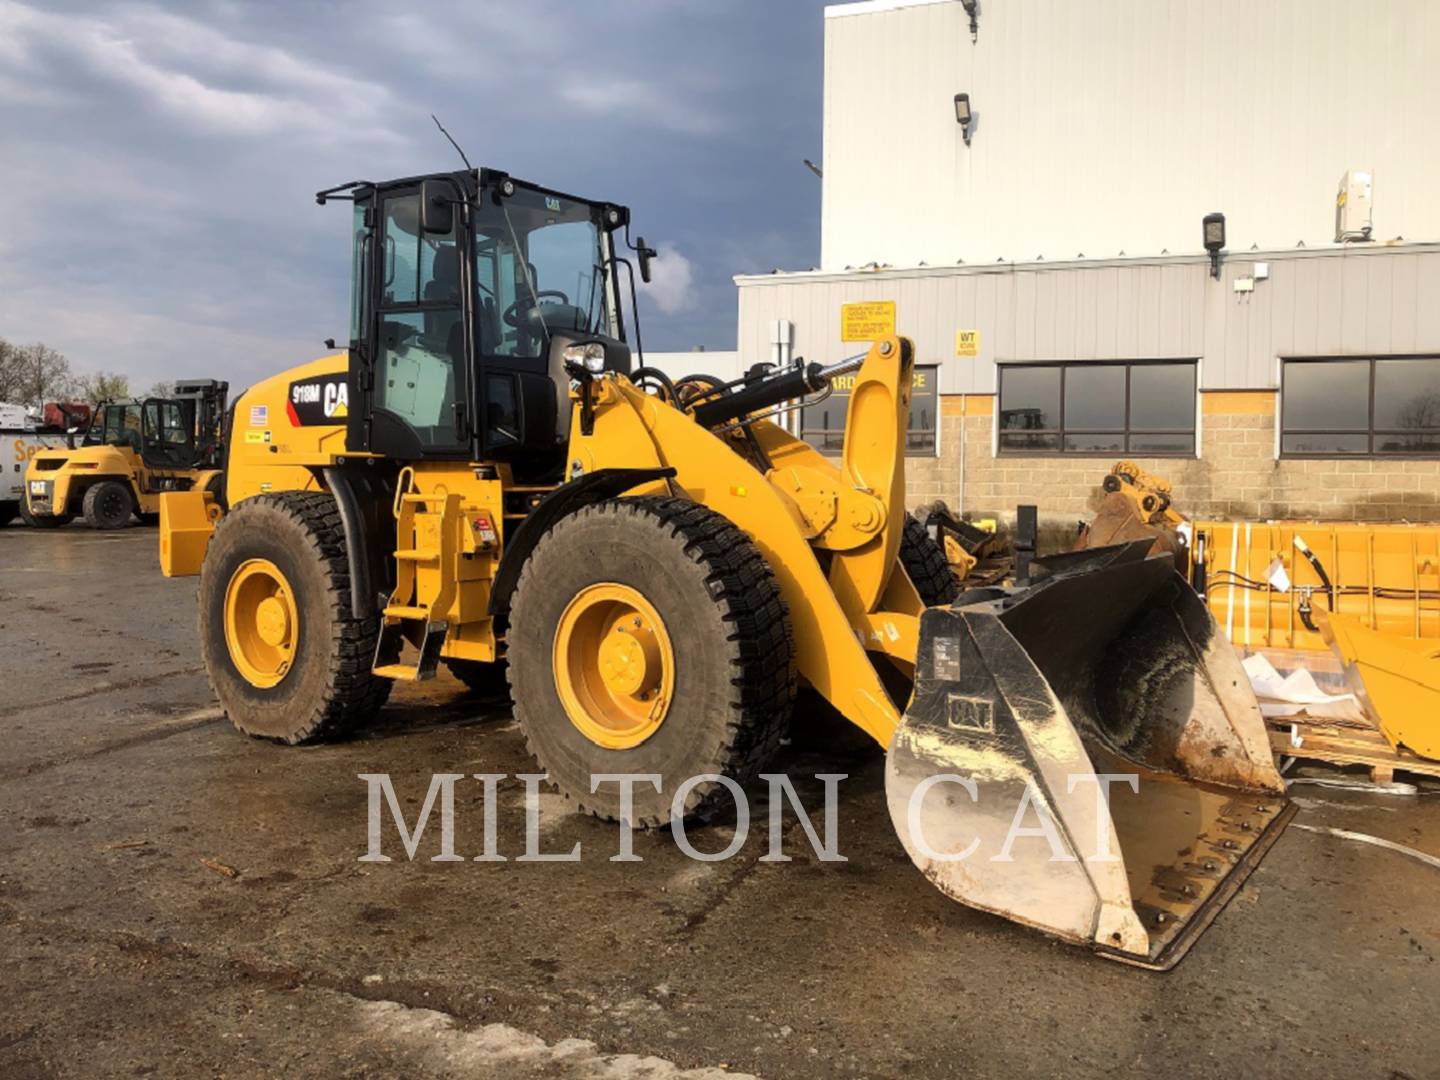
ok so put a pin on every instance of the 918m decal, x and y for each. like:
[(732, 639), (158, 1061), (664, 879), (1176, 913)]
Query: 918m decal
[(323, 399)]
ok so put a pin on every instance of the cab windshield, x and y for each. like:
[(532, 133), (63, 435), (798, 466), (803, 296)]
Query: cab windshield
[(539, 267)]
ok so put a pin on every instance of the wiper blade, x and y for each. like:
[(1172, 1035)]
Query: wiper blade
[(524, 266)]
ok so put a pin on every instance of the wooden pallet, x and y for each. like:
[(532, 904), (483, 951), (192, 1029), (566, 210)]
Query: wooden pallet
[(1346, 745)]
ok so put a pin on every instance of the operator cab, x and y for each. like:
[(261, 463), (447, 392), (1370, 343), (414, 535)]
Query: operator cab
[(467, 289), (167, 433)]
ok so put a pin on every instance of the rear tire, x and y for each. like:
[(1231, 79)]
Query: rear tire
[(9, 511), (926, 566), (726, 637), (216, 486), (108, 505), (326, 686)]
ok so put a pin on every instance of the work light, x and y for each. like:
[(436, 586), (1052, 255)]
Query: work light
[(1214, 240), (590, 355), (962, 115)]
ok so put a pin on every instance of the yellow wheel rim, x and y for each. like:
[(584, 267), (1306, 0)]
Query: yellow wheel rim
[(262, 624), (614, 666)]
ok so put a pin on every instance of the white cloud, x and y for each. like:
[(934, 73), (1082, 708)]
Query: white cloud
[(672, 284), (159, 155), (636, 101), (174, 63)]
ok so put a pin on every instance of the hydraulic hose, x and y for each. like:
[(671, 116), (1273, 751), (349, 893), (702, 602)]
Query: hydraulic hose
[(1319, 569), (640, 374)]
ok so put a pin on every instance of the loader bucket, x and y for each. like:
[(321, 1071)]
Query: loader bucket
[(1108, 666), (1398, 679)]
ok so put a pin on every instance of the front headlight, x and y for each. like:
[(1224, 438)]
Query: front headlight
[(590, 356)]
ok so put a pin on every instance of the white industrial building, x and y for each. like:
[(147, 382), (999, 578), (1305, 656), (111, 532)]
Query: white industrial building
[(1025, 182)]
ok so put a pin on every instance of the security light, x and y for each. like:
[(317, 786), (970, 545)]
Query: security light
[(1214, 240), (962, 115)]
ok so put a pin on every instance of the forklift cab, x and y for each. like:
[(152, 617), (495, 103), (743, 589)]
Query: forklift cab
[(165, 433), (117, 423), (467, 289)]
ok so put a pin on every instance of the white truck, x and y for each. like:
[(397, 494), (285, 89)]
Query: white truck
[(19, 441)]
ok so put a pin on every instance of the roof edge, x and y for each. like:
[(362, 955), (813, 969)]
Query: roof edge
[(1007, 267), (870, 7)]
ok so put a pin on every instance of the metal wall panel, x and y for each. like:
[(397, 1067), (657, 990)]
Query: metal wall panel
[(1360, 300), (1110, 126)]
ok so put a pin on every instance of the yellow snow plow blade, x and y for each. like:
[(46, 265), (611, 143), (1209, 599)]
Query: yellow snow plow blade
[(1398, 679), (1028, 703)]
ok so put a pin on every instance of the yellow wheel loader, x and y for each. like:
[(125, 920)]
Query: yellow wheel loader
[(485, 479), (133, 452)]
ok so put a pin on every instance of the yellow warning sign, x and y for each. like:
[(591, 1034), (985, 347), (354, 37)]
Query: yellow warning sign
[(867, 321), (967, 342)]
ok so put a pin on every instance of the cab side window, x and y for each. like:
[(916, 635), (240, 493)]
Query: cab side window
[(419, 363)]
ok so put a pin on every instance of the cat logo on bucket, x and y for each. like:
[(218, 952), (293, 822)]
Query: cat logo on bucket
[(324, 399)]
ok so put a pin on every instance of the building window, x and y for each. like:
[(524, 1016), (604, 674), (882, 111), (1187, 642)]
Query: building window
[(1144, 408), (1363, 406), (822, 425)]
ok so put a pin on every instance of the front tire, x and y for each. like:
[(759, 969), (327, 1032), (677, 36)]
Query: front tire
[(648, 635), (44, 521), (108, 505), (287, 659)]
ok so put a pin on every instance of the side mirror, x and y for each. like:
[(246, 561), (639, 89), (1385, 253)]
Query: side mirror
[(644, 254), (437, 207)]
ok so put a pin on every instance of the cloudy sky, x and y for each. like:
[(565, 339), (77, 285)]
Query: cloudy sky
[(159, 160)]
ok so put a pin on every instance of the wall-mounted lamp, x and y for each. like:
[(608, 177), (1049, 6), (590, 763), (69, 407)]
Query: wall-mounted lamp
[(962, 115), (1214, 241), (972, 8)]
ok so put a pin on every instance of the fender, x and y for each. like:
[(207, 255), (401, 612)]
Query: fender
[(363, 503), (591, 488)]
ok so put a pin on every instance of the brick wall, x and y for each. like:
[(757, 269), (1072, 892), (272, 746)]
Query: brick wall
[(1236, 476)]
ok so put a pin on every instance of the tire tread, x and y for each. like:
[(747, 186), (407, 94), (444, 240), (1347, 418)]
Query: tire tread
[(926, 566)]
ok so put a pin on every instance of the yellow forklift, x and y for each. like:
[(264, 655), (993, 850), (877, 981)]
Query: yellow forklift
[(133, 452)]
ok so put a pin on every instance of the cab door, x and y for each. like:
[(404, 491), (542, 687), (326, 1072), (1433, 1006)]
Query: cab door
[(410, 343), (169, 435)]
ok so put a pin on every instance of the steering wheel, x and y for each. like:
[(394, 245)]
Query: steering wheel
[(511, 315)]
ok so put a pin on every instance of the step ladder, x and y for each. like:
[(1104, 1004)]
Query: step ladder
[(426, 538)]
